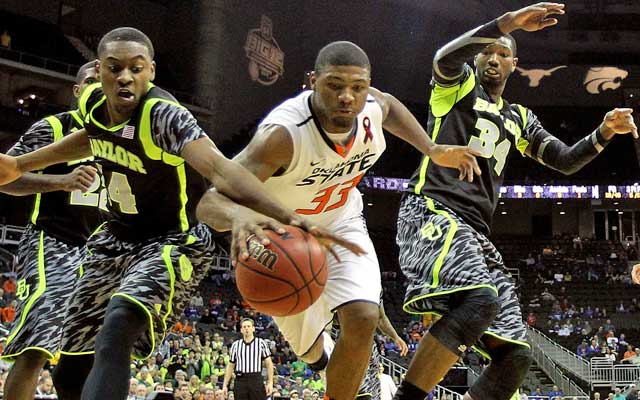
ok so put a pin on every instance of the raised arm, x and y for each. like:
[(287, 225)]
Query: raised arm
[(449, 61), (552, 152)]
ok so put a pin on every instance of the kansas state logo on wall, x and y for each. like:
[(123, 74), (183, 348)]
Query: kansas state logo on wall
[(266, 60), (599, 79)]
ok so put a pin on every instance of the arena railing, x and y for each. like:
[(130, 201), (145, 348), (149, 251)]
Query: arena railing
[(604, 373), (398, 371), (547, 364), (565, 358), (10, 234), (71, 70)]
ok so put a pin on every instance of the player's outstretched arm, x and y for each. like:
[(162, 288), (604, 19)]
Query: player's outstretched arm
[(385, 326), (80, 178), (398, 120), (552, 152), (72, 147), (448, 63)]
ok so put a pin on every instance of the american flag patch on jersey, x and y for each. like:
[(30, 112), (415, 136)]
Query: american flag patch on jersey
[(128, 131)]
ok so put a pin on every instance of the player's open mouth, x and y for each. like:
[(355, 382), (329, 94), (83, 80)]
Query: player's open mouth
[(126, 95), (492, 73)]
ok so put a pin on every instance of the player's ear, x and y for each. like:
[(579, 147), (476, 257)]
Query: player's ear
[(76, 91), (515, 64), (475, 59), (153, 71), (312, 80)]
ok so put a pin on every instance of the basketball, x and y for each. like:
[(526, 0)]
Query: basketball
[(284, 277)]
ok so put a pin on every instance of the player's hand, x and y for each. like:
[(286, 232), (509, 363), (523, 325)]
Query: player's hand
[(619, 121), (532, 18), (635, 274), (461, 158), (268, 388), (9, 171), (326, 238), (225, 391), (246, 224), (80, 178), (402, 345)]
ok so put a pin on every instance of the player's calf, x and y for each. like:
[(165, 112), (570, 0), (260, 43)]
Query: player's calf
[(504, 375)]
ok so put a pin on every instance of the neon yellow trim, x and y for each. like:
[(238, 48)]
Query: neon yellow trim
[(425, 160), (406, 305), (443, 98), (500, 104), (504, 339), (184, 198), (191, 239), (522, 143), (56, 125), (36, 206), (156, 153), (364, 394), (98, 124), (12, 357), (75, 114), (80, 271), (166, 256), (151, 331), (80, 353), (151, 150), (84, 97), (42, 286), (447, 241)]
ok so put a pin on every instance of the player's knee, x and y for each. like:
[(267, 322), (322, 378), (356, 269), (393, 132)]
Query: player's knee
[(358, 319), (466, 323), (123, 324)]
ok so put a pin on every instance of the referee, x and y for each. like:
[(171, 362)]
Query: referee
[(246, 357)]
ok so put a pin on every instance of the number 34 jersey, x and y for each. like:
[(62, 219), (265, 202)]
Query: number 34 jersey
[(68, 217), (320, 182), (464, 114)]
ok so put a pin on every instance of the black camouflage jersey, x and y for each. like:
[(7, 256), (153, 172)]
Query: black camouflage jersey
[(461, 112), (151, 190), (68, 217)]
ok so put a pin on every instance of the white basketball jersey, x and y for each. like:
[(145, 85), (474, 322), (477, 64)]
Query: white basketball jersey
[(320, 183)]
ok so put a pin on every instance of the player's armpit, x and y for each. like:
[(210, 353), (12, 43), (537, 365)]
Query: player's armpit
[(270, 150)]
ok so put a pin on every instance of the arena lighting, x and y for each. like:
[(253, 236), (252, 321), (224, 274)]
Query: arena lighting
[(525, 191), (504, 213), (562, 213), (559, 203)]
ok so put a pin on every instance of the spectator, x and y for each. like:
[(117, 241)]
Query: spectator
[(297, 369), (537, 394), (583, 349), (618, 394), (298, 386), (144, 377), (141, 391), (633, 393), (387, 386), (45, 386), (532, 319), (206, 317), (182, 392), (9, 286), (5, 39), (9, 312), (555, 393), (197, 300)]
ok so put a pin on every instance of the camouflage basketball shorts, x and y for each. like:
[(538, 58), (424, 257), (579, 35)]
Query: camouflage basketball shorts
[(159, 275), (440, 254), (46, 271)]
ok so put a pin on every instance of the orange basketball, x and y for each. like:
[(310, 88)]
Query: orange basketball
[(286, 276)]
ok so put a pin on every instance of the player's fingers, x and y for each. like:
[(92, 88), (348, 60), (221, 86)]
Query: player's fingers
[(548, 22), (275, 226), (329, 237), (469, 172), (462, 174), (329, 247), (241, 244), (260, 234)]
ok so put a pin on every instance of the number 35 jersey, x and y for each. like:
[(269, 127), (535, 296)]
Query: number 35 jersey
[(68, 217), (151, 191), (320, 182), (465, 114)]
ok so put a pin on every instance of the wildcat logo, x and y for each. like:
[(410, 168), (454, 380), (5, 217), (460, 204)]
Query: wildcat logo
[(599, 79), (266, 60), (536, 75), (262, 255)]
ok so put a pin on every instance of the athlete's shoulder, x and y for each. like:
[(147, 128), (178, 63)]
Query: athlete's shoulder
[(293, 111), (91, 95)]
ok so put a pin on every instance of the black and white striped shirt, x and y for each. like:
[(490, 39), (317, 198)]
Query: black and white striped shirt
[(248, 357)]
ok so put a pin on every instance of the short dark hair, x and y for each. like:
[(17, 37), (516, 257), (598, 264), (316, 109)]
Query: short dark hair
[(125, 34), (341, 53), (243, 320), (80, 74)]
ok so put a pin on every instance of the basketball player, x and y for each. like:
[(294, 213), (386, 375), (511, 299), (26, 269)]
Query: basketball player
[(52, 246), (311, 151), (143, 264), (452, 268)]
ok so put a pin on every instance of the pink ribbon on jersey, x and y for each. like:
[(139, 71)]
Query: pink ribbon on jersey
[(366, 123)]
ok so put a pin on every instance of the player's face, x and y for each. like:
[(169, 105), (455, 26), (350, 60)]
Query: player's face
[(340, 94), (89, 76), (495, 63), (126, 69)]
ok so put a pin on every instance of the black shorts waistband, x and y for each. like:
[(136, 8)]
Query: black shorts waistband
[(247, 375)]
